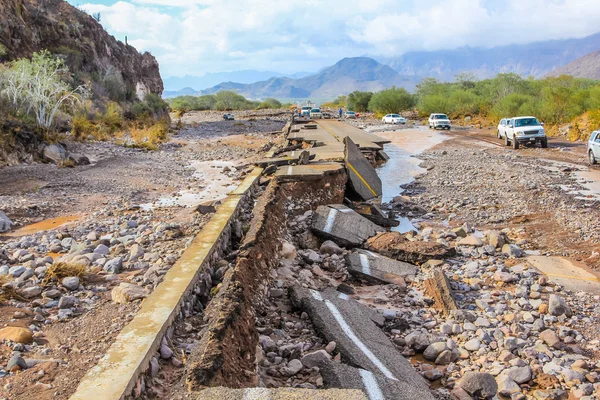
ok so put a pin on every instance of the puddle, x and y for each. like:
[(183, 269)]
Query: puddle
[(402, 168), (405, 226), (590, 180), (45, 225), (212, 183)]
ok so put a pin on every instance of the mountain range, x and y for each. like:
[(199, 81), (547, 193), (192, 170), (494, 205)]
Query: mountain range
[(366, 74)]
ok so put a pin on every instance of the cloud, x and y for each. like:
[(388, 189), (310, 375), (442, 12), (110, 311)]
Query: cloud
[(198, 36)]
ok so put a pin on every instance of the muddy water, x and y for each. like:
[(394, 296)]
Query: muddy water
[(212, 184), (403, 167), (44, 225)]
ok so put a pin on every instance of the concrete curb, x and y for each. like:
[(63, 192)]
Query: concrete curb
[(115, 375)]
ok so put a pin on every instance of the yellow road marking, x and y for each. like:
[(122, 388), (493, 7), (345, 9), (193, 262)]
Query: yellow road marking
[(361, 179), (331, 133), (579, 278)]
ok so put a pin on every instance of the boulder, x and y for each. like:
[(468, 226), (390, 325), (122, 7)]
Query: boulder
[(479, 384), (55, 153), (558, 306), (127, 292), (71, 282), (16, 334), (5, 223), (512, 250), (470, 240)]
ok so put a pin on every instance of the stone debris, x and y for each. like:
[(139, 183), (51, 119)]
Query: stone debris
[(379, 269), (343, 225), (394, 245)]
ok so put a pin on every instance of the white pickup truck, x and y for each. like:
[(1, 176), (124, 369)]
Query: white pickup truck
[(524, 130)]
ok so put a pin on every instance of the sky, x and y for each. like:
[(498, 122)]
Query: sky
[(194, 37)]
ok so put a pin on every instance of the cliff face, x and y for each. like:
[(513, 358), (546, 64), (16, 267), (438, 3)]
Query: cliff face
[(27, 26)]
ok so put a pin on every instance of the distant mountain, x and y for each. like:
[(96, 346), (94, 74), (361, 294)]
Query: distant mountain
[(177, 84), (347, 75), (587, 66), (533, 59)]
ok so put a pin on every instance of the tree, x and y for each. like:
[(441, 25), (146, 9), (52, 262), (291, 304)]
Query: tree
[(391, 101), (35, 86), (359, 101)]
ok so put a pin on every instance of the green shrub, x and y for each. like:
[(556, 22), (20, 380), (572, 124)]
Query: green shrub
[(359, 101), (392, 100), (269, 103)]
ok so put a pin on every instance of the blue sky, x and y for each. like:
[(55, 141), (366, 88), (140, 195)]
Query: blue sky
[(198, 36)]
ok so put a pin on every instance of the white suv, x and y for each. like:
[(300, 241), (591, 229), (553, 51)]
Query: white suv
[(524, 130), (439, 121)]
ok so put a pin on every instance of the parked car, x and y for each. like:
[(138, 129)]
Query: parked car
[(525, 130), (502, 128), (439, 121), (327, 115), (350, 115), (228, 117), (393, 119), (593, 147), (316, 113), (305, 111)]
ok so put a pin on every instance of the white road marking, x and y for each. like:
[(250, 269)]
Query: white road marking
[(371, 385), (348, 331), (330, 220), (257, 394), (343, 296), (289, 170), (345, 210), (371, 253), (364, 263)]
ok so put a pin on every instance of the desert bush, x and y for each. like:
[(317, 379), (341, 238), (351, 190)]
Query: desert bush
[(392, 100), (269, 103), (359, 101)]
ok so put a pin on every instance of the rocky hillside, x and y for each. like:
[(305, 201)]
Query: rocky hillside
[(345, 76), (587, 66), (92, 54)]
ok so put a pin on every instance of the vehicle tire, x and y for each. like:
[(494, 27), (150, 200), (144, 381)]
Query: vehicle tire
[(498, 134), (506, 142), (515, 144), (591, 158), (544, 143)]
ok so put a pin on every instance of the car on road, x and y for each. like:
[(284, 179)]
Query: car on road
[(593, 147), (440, 121), (228, 117), (350, 115), (502, 128), (393, 119), (521, 130), (315, 113), (305, 111)]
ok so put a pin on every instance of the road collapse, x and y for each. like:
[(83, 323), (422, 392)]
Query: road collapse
[(281, 318)]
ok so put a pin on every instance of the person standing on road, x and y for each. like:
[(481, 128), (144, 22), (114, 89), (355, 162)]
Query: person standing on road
[(340, 112)]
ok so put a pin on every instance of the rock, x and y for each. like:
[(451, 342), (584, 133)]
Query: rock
[(67, 243), (127, 292), (66, 302), (504, 277), (165, 352), (101, 248), (519, 374), (267, 343), (113, 266), (470, 241), (496, 239), (512, 250), (558, 306), (16, 334), (479, 384), (79, 159), (329, 247), (16, 363), (551, 339), (136, 252), (330, 348), (16, 271), (71, 282), (315, 359), (506, 386), (55, 153), (5, 223), (432, 351), (293, 367), (473, 345), (446, 357), (433, 374), (395, 245), (288, 251), (31, 292)]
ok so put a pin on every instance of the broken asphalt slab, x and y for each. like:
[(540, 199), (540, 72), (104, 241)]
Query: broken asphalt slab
[(376, 268), (376, 386), (222, 393), (343, 225), (395, 245), (361, 174), (361, 343), (438, 288)]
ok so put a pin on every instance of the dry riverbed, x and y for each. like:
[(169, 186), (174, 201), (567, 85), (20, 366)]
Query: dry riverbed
[(89, 242)]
